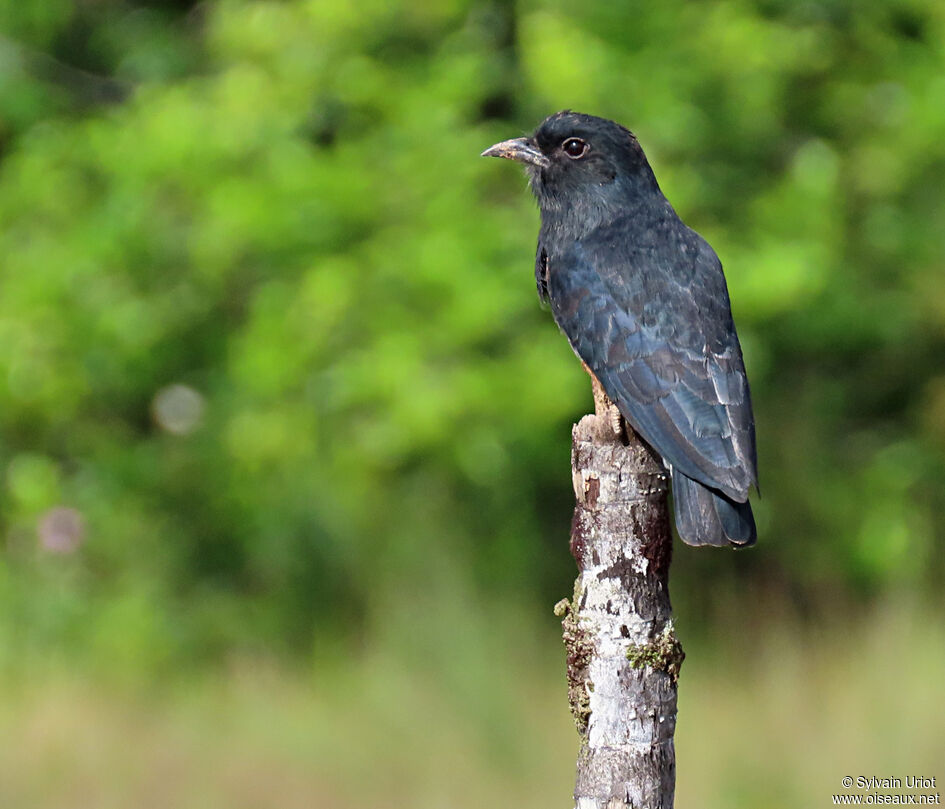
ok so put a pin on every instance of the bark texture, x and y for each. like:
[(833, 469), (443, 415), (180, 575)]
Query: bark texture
[(623, 656)]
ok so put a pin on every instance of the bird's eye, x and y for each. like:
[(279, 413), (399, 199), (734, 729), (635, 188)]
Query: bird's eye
[(574, 147)]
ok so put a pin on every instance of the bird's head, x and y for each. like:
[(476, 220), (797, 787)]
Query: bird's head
[(577, 160)]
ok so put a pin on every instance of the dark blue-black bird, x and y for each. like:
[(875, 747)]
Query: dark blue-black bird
[(643, 301)]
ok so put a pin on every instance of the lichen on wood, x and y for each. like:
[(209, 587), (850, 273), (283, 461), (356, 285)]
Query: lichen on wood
[(623, 657), (663, 653), (580, 649)]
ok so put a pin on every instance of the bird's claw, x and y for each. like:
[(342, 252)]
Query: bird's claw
[(615, 420)]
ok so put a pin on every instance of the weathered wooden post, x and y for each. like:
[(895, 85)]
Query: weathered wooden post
[(623, 657)]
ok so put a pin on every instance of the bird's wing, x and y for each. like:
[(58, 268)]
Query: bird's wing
[(652, 321)]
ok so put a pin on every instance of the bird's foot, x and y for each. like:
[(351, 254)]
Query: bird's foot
[(610, 423), (615, 420)]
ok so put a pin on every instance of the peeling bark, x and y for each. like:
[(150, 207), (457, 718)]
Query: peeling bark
[(622, 652)]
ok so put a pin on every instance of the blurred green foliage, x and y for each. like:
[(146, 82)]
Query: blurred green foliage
[(273, 370)]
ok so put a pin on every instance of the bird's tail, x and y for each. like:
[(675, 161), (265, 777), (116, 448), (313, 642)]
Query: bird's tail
[(707, 517)]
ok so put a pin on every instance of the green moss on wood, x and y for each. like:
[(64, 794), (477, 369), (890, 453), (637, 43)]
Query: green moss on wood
[(663, 653), (580, 649)]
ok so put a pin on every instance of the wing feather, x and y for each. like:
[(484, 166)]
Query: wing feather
[(654, 325)]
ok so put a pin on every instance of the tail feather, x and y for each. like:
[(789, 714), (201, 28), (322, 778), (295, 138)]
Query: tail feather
[(707, 517)]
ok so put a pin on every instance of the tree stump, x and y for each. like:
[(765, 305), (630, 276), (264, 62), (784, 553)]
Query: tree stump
[(622, 653)]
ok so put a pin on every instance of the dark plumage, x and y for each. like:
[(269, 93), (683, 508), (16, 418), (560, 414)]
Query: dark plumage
[(643, 302)]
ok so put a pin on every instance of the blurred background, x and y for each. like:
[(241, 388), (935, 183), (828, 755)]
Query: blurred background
[(284, 433)]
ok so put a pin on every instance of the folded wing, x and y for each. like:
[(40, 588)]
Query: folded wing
[(653, 323)]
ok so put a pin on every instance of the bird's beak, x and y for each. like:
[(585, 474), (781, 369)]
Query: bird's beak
[(521, 149)]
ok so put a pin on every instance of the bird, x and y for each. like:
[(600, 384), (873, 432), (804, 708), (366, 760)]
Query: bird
[(643, 301)]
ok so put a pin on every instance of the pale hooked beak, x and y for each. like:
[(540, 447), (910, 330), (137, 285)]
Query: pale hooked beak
[(521, 149)]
